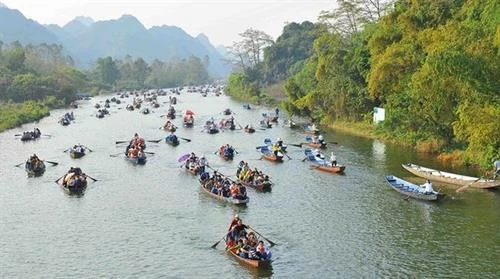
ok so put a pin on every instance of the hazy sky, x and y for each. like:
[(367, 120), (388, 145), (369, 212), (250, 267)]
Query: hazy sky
[(220, 20)]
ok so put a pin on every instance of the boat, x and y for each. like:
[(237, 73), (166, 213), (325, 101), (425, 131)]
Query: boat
[(227, 112), (329, 168), (269, 142), (188, 122), (31, 135), (311, 130), (170, 128), (451, 178), (270, 156), (265, 124), (411, 190), (145, 111), (129, 107), (230, 200), (317, 145), (76, 186), (250, 262), (34, 170), (226, 153), (172, 140), (267, 186), (319, 163), (138, 160), (171, 115), (249, 130), (64, 121), (75, 154), (247, 106), (99, 114)]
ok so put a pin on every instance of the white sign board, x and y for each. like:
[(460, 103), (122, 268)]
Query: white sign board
[(378, 115)]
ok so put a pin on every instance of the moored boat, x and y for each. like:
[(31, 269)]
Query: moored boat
[(451, 178), (411, 190)]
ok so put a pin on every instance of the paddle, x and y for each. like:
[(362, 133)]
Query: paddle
[(294, 144), (465, 186), (53, 163), (121, 141), (289, 158), (91, 177), (114, 155), (59, 179), (152, 153), (303, 160), (18, 165), (270, 242), (155, 141), (217, 243), (88, 148), (186, 139), (259, 147)]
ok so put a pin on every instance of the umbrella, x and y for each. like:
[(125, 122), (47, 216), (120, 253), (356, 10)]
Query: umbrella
[(183, 157), (189, 112)]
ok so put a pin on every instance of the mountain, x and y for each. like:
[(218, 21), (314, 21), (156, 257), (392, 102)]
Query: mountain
[(15, 27), (86, 40)]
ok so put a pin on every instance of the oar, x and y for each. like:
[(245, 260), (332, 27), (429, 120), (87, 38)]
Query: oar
[(217, 243), (53, 163), (121, 141), (91, 177), (465, 186), (152, 153), (303, 160), (18, 165), (289, 158), (259, 147), (155, 141), (186, 139), (333, 142), (114, 155), (88, 148), (270, 242), (46, 135), (294, 144), (59, 179)]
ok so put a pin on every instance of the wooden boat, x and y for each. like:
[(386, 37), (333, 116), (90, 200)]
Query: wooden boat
[(451, 178), (249, 130), (77, 187), (174, 141), (329, 168), (188, 123), (171, 129), (130, 107), (224, 199), (264, 187), (76, 154), (212, 130), (250, 262), (31, 135), (64, 121), (171, 115), (36, 170), (139, 160), (269, 155), (192, 171), (227, 112), (409, 189), (226, 155), (309, 142)]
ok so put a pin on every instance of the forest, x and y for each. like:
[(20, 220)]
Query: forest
[(434, 65), (36, 78)]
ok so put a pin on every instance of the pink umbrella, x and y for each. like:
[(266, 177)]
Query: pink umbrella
[(183, 157)]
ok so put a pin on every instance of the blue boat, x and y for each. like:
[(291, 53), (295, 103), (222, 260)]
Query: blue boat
[(411, 190), (269, 142), (172, 140)]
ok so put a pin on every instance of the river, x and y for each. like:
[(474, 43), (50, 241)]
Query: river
[(152, 221)]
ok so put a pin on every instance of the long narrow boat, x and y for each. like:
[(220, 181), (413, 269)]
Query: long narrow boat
[(329, 168), (411, 190), (224, 199), (269, 155), (250, 262), (266, 186), (317, 145), (451, 178), (34, 170)]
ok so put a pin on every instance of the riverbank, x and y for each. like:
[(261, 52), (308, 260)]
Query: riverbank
[(16, 114), (453, 157)]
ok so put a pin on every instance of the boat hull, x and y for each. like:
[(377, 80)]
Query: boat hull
[(249, 262), (76, 154), (411, 190), (451, 178), (224, 199), (330, 169)]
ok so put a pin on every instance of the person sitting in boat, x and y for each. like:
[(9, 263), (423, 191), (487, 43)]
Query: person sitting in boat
[(168, 125), (133, 152), (260, 251), (238, 230), (275, 149), (252, 239), (321, 140), (36, 132), (428, 187), (172, 137), (202, 163), (333, 159), (314, 139), (319, 155)]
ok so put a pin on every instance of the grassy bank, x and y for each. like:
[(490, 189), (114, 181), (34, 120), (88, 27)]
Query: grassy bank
[(15, 114)]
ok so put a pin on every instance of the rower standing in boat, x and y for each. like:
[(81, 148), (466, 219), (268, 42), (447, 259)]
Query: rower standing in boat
[(333, 159), (496, 165)]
